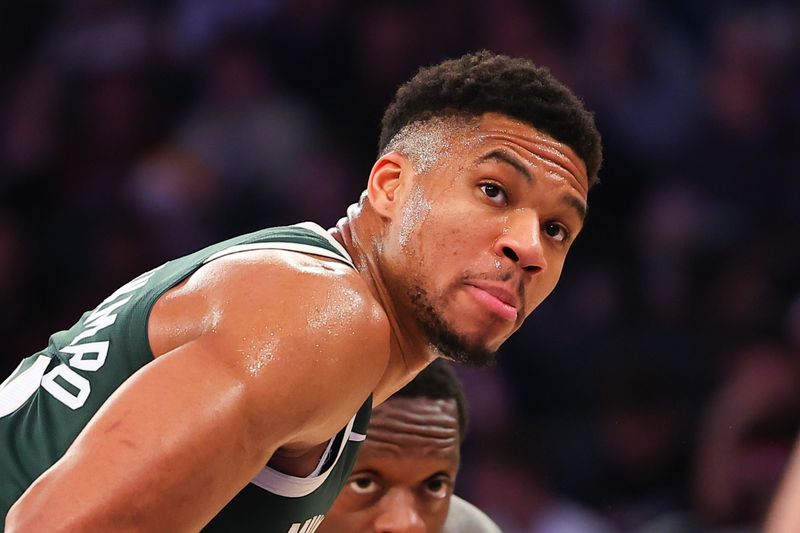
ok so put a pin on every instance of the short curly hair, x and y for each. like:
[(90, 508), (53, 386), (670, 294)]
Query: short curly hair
[(483, 82), (437, 381)]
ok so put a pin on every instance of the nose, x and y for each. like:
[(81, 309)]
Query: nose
[(521, 242), (398, 513)]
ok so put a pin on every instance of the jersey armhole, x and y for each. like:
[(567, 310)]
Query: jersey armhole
[(277, 482)]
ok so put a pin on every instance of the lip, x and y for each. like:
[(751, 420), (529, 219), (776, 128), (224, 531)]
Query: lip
[(497, 298)]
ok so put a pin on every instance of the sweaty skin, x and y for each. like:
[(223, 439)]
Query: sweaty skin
[(486, 227), (239, 342), (403, 478)]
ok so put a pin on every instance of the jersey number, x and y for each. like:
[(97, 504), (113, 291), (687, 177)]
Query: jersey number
[(62, 382)]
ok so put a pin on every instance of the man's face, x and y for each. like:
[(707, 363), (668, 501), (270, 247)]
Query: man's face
[(479, 240), (404, 475)]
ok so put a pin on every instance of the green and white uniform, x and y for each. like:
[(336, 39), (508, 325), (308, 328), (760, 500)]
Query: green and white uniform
[(54, 393)]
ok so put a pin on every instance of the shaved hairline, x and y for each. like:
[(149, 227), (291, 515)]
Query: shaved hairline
[(425, 141)]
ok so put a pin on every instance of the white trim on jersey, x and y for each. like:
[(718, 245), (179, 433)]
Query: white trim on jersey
[(319, 230), (296, 487), (292, 246), (16, 390), (357, 437), (323, 459)]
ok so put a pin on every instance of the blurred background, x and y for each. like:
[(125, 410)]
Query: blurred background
[(657, 390)]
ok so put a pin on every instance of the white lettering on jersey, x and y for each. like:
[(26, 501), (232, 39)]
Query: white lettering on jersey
[(90, 364), (62, 382), (99, 319), (102, 317), (309, 526), (21, 385), (61, 393)]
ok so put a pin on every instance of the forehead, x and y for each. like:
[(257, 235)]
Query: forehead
[(413, 427), (542, 152)]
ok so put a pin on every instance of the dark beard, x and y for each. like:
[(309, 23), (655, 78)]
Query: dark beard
[(447, 342)]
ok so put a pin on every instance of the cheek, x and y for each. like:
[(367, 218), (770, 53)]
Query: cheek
[(343, 519), (446, 253), (439, 238), (436, 244), (416, 211), (455, 233)]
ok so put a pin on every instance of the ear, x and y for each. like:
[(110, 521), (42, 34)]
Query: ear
[(388, 182)]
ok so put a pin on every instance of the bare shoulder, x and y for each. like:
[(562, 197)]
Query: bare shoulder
[(316, 295), (256, 352), (284, 322), (464, 517)]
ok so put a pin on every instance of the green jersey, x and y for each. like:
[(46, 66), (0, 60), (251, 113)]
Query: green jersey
[(54, 393)]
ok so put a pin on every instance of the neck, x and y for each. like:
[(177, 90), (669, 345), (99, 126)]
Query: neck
[(410, 351)]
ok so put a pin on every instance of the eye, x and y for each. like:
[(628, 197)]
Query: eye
[(494, 193), (557, 232), (362, 485), (437, 487)]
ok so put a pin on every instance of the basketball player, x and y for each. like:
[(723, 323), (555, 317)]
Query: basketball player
[(403, 478), (239, 379)]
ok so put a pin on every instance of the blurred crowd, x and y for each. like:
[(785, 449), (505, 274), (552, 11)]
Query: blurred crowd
[(656, 391)]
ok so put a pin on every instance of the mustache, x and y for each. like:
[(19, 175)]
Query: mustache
[(502, 276)]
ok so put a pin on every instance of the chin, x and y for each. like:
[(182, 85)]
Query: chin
[(473, 358), (462, 348), (486, 334), (475, 345)]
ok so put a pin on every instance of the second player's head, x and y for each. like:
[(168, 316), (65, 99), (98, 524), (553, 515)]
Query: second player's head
[(480, 187), (403, 479)]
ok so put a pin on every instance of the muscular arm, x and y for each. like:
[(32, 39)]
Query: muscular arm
[(182, 436)]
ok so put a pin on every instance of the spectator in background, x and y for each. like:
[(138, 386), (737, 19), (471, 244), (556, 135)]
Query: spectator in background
[(405, 473), (793, 324), (508, 481), (263, 143), (744, 443)]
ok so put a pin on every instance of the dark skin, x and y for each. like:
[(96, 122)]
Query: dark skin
[(403, 478), (235, 342)]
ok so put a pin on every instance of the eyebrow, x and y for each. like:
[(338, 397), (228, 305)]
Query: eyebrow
[(578, 204), (370, 471), (504, 157)]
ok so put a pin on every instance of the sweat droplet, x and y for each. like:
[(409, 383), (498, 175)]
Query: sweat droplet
[(414, 212), (342, 304)]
